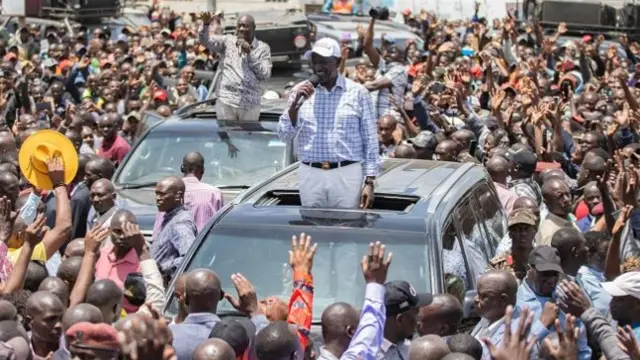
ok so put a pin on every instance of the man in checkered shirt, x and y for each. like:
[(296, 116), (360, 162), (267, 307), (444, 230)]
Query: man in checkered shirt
[(337, 135)]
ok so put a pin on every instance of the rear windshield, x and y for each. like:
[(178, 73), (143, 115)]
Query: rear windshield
[(261, 254)]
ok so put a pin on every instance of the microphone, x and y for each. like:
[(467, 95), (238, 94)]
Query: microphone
[(314, 80)]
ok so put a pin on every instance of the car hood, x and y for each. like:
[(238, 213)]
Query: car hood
[(142, 203)]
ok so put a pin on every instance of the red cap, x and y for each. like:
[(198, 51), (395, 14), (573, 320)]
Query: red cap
[(587, 38), (476, 71), (64, 64), (160, 95), (542, 165), (93, 336), (406, 12)]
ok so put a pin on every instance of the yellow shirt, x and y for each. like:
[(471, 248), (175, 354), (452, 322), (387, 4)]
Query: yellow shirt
[(39, 254)]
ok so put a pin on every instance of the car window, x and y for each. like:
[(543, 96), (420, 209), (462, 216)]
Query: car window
[(471, 236), (261, 254), (456, 273), (492, 215), (463, 248), (233, 158)]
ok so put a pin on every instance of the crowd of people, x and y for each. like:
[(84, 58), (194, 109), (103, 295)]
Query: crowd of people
[(557, 127)]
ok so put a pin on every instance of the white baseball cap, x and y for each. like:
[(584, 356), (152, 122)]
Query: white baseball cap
[(627, 284), (326, 47)]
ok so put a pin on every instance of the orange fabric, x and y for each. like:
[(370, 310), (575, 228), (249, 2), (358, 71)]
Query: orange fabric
[(342, 7), (301, 305)]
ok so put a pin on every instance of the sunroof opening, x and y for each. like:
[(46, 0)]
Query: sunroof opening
[(388, 202)]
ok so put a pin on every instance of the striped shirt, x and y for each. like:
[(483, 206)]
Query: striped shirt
[(335, 125), (396, 73), (241, 75), (201, 200), (172, 241)]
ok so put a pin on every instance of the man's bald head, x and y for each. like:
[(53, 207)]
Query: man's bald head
[(549, 174), (9, 186), (214, 349), (388, 120), (57, 287), (193, 164), (525, 202), (337, 320), (428, 347), (7, 311), (81, 313), (441, 317), (404, 151), (104, 184), (498, 168), (69, 270), (503, 281), (107, 296), (75, 247), (7, 142), (121, 217), (41, 300), (202, 291), (174, 183)]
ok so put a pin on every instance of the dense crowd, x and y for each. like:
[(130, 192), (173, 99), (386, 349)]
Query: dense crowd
[(555, 123)]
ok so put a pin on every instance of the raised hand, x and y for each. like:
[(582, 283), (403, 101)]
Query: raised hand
[(573, 300), (562, 28), (628, 342), (35, 232), (622, 220), (247, 301), (567, 340), (7, 219), (94, 238), (301, 253), (134, 236), (55, 166), (549, 314), (497, 100), (374, 266), (142, 337), (516, 346), (206, 17)]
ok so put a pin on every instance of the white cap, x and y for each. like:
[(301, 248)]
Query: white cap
[(326, 47), (627, 284), (270, 95)]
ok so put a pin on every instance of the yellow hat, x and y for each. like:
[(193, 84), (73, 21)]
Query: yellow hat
[(41, 146)]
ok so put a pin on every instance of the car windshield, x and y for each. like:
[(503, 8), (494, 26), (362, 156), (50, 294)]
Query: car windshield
[(232, 158), (261, 254)]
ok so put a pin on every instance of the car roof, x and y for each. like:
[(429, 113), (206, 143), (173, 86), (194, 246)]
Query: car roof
[(204, 120), (421, 183), (268, 17), (267, 106)]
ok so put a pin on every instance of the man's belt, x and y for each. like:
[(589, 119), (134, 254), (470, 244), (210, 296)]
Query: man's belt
[(325, 165)]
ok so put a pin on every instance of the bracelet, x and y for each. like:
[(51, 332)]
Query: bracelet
[(58, 184)]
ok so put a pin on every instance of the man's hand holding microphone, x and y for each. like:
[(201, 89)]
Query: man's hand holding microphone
[(302, 92)]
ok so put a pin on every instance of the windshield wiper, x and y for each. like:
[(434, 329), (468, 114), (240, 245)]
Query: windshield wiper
[(127, 186), (233, 187)]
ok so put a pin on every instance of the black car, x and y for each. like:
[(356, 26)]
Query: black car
[(237, 155), (441, 220), (287, 32)]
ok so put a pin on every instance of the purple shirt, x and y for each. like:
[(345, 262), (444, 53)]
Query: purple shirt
[(367, 340), (507, 197), (201, 200)]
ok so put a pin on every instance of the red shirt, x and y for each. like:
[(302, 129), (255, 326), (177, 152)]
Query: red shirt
[(116, 152)]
